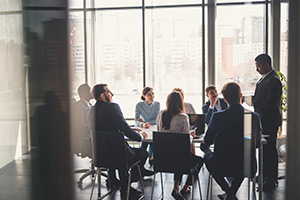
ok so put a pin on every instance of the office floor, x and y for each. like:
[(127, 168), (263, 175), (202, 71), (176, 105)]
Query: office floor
[(15, 183)]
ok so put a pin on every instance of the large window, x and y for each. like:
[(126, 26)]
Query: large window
[(239, 39), (161, 45), (76, 49), (13, 126), (119, 55), (174, 52), (284, 38)]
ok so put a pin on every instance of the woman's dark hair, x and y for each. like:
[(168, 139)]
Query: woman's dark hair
[(145, 91), (174, 106)]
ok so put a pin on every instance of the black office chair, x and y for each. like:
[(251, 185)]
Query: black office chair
[(172, 151), (240, 156), (109, 152)]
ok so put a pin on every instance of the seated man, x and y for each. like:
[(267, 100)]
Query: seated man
[(226, 128), (81, 139), (107, 116), (214, 104)]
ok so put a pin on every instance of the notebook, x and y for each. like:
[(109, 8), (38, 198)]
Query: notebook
[(197, 121)]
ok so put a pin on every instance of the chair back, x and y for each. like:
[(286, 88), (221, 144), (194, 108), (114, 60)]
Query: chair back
[(109, 149), (171, 152), (228, 155)]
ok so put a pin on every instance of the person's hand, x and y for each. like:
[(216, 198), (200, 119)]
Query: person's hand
[(146, 125), (144, 134), (213, 100), (193, 133), (140, 120), (137, 129)]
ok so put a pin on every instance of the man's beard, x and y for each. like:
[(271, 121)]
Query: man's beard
[(107, 98)]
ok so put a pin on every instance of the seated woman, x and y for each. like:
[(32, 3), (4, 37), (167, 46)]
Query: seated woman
[(173, 119), (146, 112), (188, 107)]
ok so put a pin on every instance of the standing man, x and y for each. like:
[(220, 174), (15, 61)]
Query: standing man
[(266, 101), (107, 116)]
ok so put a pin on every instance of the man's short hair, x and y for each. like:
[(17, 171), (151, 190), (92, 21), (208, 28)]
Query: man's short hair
[(83, 89), (209, 88), (98, 90), (232, 93), (263, 59)]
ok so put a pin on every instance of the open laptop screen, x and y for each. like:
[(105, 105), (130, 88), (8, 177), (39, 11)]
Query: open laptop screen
[(197, 121)]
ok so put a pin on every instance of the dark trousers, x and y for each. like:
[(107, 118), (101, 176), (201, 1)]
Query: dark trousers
[(140, 155), (220, 178), (145, 145), (270, 157), (193, 162)]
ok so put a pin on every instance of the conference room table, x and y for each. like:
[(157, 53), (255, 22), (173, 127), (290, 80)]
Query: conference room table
[(200, 139)]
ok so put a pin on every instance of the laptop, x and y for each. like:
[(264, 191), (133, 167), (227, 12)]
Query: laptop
[(197, 121)]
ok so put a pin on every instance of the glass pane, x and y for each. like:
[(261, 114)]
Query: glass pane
[(116, 42), (171, 2), (235, 1), (75, 3), (76, 35), (45, 3), (174, 53), (239, 39), (117, 3), (13, 130), (284, 38)]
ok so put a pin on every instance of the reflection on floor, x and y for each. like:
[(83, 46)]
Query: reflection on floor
[(15, 179)]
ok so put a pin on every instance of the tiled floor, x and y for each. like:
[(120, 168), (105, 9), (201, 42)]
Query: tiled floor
[(84, 192), (15, 183)]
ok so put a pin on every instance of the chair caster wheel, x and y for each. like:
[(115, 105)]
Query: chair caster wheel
[(79, 184)]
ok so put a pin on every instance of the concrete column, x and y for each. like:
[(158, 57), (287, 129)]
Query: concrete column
[(293, 125), (211, 67), (275, 33)]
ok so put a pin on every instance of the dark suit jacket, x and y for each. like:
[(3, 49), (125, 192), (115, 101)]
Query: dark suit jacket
[(226, 130), (267, 98), (208, 112), (109, 117)]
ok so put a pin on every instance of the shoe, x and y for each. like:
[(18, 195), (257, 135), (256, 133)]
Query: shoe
[(146, 172), (231, 197), (222, 196), (115, 184), (177, 195), (184, 193), (268, 186)]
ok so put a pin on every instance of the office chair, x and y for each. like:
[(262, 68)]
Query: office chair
[(109, 152), (172, 151), (241, 155)]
